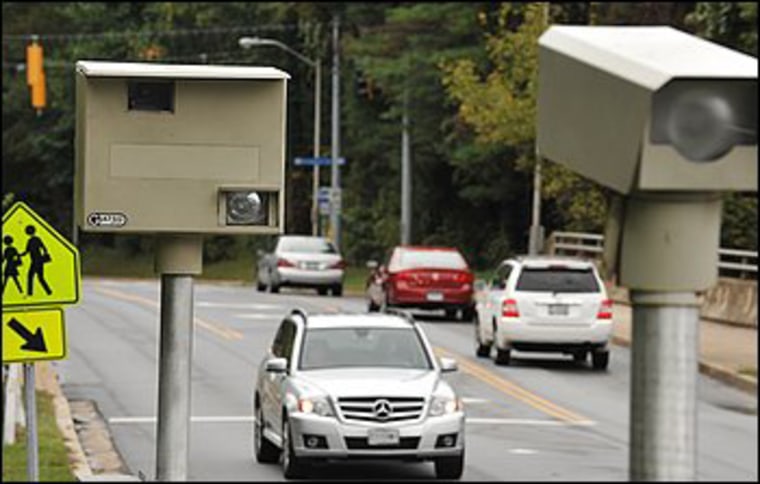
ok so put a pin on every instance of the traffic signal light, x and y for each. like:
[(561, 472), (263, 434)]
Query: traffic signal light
[(35, 75)]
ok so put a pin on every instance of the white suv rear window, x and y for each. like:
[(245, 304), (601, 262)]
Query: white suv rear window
[(554, 279)]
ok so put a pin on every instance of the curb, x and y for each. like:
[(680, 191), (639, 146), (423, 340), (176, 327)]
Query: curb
[(727, 376), (49, 382)]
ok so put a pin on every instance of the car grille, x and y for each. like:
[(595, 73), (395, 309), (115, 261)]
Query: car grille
[(357, 443), (381, 409)]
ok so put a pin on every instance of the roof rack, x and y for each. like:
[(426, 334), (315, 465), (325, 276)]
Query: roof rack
[(300, 312), (401, 312)]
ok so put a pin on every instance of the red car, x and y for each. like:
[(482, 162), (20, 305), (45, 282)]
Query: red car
[(423, 278)]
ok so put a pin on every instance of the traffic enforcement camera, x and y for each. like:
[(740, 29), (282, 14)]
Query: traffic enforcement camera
[(164, 148), (661, 117)]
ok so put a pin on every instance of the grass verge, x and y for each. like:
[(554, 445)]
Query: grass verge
[(108, 262), (52, 453)]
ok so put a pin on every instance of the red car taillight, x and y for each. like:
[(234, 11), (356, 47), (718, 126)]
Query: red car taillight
[(341, 264), (284, 263), (509, 309), (605, 311)]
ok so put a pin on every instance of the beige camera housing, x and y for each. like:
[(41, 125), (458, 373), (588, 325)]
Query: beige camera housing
[(164, 148), (605, 95), (665, 119)]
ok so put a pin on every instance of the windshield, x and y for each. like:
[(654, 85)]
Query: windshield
[(557, 280), (438, 259), (306, 244), (357, 347)]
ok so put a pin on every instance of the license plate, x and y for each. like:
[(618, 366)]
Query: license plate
[(310, 265), (435, 296), (558, 309), (383, 437)]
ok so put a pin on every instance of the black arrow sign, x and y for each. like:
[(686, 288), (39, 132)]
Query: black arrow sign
[(34, 342)]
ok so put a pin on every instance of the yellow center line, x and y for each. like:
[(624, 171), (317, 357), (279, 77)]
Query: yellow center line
[(514, 390), (216, 328)]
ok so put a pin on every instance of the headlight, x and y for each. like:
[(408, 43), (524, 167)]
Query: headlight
[(444, 405), (316, 405)]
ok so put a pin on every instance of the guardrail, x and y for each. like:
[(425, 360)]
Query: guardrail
[(733, 263)]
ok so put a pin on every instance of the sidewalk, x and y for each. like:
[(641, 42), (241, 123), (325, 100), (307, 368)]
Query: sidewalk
[(726, 352)]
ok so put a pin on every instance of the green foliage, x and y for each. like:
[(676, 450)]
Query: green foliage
[(52, 453)]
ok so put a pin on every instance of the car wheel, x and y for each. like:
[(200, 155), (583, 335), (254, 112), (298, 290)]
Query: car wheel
[(503, 357), (273, 288), (468, 314), (292, 466), (451, 313), (322, 291), (580, 356), (260, 287), (337, 290), (600, 359), (264, 450), (481, 349), (372, 307), (449, 467)]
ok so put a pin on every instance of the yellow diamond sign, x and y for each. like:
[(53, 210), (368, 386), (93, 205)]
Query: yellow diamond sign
[(33, 335), (40, 267)]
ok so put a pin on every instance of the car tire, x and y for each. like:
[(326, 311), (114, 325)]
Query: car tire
[(580, 356), (264, 450), (481, 350), (600, 359), (293, 467), (322, 291), (260, 287), (468, 314), (449, 467), (503, 357), (451, 313), (337, 290), (372, 307)]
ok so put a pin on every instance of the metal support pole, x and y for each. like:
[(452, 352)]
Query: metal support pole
[(317, 120), (32, 447), (664, 373), (535, 237), (406, 176), (177, 259), (335, 148)]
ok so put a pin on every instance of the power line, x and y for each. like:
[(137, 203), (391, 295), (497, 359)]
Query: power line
[(153, 33)]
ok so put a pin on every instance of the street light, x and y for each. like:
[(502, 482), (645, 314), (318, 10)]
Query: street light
[(247, 43)]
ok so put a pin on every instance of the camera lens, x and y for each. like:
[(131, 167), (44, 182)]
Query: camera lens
[(244, 208), (701, 126)]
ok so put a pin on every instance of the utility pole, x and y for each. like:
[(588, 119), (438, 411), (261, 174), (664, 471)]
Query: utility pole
[(536, 235), (406, 175), (336, 198)]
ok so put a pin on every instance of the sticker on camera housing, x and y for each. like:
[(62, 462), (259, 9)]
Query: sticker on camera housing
[(107, 219)]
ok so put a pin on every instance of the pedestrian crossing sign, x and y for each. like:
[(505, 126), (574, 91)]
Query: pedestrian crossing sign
[(28, 336), (40, 267)]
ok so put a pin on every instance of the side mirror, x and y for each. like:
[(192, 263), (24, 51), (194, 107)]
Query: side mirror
[(448, 364), (276, 365), (372, 264)]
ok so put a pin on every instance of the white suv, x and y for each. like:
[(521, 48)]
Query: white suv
[(547, 304), (342, 386)]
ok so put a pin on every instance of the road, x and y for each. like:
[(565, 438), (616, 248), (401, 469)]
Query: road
[(541, 418)]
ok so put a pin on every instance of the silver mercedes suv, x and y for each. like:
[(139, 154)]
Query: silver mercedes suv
[(342, 386)]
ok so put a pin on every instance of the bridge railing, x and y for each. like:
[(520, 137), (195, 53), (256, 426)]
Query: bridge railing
[(733, 263)]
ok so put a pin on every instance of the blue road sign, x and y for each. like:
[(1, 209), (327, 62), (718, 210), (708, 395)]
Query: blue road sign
[(321, 161)]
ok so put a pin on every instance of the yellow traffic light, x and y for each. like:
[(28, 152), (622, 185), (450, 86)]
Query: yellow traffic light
[(35, 75)]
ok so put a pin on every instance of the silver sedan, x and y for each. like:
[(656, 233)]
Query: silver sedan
[(344, 386), (301, 261)]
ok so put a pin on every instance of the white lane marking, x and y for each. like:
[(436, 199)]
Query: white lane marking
[(258, 316), (523, 451), (249, 418), (210, 304), (527, 421)]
